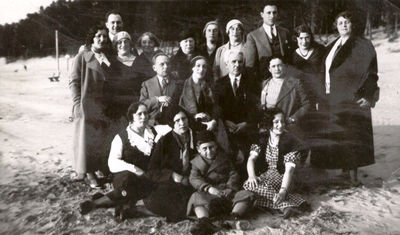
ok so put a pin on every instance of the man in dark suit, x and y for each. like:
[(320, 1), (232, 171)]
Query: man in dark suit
[(161, 90), (234, 94), (266, 41)]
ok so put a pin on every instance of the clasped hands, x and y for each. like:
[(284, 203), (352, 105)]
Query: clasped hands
[(219, 193), (235, 128)]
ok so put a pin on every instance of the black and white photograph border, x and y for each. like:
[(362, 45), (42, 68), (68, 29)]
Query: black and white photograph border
[(37, 195)]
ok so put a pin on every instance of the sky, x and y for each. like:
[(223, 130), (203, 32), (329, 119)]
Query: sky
[(14, 10)]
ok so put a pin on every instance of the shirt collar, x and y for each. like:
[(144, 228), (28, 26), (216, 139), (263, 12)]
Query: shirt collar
[(101, 58), (160, 79), (267, 29)]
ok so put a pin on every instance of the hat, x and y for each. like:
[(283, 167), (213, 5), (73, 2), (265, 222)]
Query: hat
[(122, 35), (231, 23), (209, 23), (185, 34), (205, 137)]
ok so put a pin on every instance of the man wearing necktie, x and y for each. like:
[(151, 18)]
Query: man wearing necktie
[(235, 97), (161, 90), (266, 41)]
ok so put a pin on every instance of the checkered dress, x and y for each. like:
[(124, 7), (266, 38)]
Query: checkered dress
[(270, 182)]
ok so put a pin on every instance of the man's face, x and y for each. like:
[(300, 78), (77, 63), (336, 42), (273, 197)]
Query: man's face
[(161, 66), (235, 64), (269, 15), (114, 23), (277, 68), (208, 150)]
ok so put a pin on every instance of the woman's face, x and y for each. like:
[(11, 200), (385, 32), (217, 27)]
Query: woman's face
[(277, 68), (124, 46), (100, 39), (141, 117), (200, 68), (187, 45), (235, 33), (181, 123), (212, 33), (278, 124), (344, 26), (304, 41), (147, 44)]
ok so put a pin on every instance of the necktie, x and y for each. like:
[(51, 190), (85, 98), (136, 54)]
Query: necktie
[(164, 85), (235, 86), (273, 34)]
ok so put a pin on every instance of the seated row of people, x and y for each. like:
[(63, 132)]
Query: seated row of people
[(185, 173)]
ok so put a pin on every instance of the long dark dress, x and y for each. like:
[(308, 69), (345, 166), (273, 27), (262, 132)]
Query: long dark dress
[(345, 137), (169, 198), (123, 88), (143, 67)]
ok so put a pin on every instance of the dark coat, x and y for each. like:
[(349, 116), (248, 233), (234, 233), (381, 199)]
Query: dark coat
[(258, 50), (292, 98), (220, 173), (166, 159), (180, 65), (346, 139), (239, 108), (144, 67), (151, 88), (94, 130)]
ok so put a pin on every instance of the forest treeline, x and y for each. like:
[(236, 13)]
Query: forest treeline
[(35, 35)]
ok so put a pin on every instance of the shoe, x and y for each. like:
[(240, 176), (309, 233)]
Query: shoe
[(92, 181), (85, 207), (97, 196), (203, 227), (78, 177)]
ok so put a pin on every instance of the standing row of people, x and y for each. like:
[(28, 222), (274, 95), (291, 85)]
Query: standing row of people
[(322, 98)]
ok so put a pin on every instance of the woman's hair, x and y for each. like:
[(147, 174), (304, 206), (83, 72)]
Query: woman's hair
[(268, 117), (133, 109), (92, 33), (347, 15), (152, 38), (170, 113), (303, 29), (196, 58)]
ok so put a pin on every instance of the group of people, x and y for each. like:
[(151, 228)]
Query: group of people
[(217, 129)]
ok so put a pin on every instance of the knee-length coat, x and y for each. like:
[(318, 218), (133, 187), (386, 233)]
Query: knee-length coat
[(93, 130), (345, 138)]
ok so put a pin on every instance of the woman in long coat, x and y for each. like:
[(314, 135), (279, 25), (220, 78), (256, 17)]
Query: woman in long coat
[(93, 131), (346, 140)]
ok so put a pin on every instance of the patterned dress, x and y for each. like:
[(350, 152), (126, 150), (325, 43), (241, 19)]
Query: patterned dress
[(270, 182)]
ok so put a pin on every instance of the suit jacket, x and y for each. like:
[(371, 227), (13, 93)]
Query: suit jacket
[(258, 50), (151, 89), (292, 99), (239, 108), (218, 173)]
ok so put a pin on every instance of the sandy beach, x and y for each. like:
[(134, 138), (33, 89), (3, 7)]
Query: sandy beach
[(36, 196)]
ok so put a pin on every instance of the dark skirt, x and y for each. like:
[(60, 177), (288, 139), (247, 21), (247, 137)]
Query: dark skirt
[(130, 188), (342, 137), (169, 199)]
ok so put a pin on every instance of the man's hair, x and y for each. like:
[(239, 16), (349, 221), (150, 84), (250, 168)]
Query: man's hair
[(157, 55), (113, 12), (270, 3), (231, 53)]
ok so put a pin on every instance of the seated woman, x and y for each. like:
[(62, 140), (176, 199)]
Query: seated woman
[(271, 175), (214, 177), (128, 161), (170, 167), (148, 43)]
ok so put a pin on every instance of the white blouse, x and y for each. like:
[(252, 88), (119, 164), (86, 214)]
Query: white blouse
[(144, 144)]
